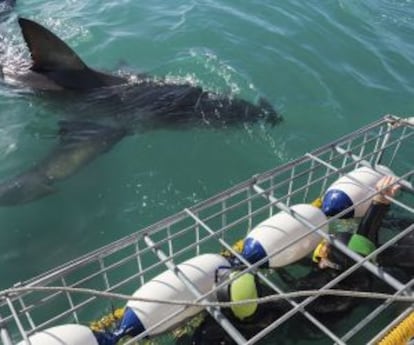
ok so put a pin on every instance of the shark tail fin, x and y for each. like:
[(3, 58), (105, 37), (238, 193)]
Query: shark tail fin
[(55, 59)]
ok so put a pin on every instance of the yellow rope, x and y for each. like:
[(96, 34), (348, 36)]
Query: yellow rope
[(108, 321), (238, 247), (401, 334), (317, 202)]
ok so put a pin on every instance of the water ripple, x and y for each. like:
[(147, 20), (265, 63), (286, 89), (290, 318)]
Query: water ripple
[(327, 66)]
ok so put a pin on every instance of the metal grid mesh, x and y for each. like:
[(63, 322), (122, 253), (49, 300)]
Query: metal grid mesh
[(218, 222)]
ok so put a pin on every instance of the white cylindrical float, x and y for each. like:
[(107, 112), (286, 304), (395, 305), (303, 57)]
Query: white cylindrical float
[(167, 286), (69, 334), (346, 192), (280, 230)]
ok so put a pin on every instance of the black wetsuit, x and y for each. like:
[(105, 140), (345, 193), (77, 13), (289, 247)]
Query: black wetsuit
[(399, 258), (360, 280)]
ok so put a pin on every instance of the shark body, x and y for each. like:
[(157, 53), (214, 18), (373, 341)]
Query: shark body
[(111, 106)]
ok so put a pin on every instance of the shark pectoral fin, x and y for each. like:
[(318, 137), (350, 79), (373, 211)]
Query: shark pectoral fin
[(80, 143), (79, 132), (55, 59)]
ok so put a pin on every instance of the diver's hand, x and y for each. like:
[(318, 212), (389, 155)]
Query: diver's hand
[(386, 187)]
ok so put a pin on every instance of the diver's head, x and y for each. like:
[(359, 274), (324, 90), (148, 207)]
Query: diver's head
[(326, 255)]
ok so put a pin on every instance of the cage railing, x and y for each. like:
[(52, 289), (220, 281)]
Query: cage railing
[(217, 222)]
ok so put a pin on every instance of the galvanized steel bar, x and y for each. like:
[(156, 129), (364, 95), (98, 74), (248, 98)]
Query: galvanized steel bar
[(382, 141), (342, 247), (18, 322), (372, 316), (250, 268), (70, 300), (4, 334), (214, 312)]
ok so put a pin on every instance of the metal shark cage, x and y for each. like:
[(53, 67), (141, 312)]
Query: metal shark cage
[(121, 267)]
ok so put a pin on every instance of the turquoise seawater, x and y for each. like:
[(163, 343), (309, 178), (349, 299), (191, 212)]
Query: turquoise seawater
[(328, 67)]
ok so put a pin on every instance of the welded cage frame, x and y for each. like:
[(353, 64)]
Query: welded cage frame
[(216, 224)]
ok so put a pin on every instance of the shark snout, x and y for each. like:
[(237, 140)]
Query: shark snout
[(271, 116)]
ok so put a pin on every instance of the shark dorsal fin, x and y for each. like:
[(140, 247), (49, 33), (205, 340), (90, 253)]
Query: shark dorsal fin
[(57, 61), (48, 51)]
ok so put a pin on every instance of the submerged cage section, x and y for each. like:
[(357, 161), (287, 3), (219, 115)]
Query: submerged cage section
[(78, 291)]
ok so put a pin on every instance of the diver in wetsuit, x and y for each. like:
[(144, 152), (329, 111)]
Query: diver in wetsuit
[(399, 258), (365, 239), (247, 318), (328, 263)]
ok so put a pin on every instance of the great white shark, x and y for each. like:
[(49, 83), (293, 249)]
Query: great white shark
[(100, 109)]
